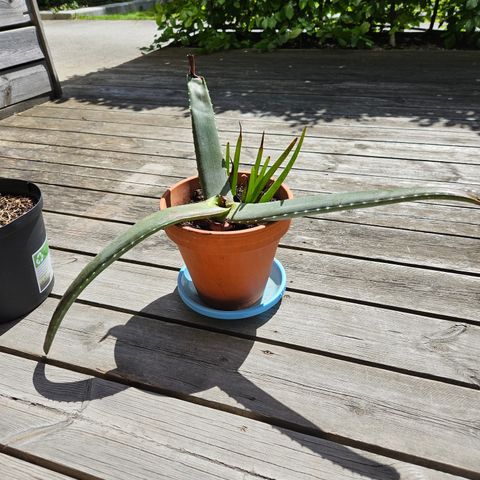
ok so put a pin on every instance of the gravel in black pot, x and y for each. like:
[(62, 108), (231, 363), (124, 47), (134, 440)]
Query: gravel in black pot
[(26, 275)]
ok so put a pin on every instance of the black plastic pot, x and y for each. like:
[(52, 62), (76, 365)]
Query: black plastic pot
[(26, 276)]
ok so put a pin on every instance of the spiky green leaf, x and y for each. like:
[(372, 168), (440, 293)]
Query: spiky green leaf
[(321, 204), (265, 176), (268, 195), (255, 170), (134, 235), (211, 170), (236, 164)]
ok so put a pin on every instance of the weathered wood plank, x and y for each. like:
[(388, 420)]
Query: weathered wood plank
[(426, 217), (393, 245), (453, 136), (23, 83), (323, 172), (432, 292), (13, 12), (438, 348), (298, 63), (126, 139), (328, 118), (412, 416), (15, 469), (19, 46), (333, 84), (116, 433), (26, 104), (295, 107)]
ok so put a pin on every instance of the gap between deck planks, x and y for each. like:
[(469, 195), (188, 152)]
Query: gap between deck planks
[(151, 140), (412, 289), (92, 419), (328, 118), (456, 254), (270, 371), (362, 170), (15, 469), (417, 344), (412, 419), (150, 175), (430, 217), (452, 136)]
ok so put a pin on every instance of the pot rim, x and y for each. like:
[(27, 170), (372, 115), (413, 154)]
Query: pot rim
[(244, 232), (21, 187)]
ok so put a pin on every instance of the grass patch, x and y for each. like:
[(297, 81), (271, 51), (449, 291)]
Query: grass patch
[(143, 15)]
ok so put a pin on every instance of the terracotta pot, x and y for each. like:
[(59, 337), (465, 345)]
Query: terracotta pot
[(229, 269)]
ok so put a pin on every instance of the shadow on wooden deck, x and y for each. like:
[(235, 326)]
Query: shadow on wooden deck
[(151, 353), (425, 87)]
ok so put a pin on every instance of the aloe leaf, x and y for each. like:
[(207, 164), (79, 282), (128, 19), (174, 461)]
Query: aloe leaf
[(265, 177), (227, 158), (264, 168), (212, 172), (254, 171), (268, 195), (134, 235), (320, 204), (236, 163)]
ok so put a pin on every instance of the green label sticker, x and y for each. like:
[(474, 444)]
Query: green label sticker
[(43, 266)]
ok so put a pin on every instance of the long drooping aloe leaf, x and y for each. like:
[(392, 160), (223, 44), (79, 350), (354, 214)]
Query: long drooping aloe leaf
[(212, 172), (134, 235), (320, 204)]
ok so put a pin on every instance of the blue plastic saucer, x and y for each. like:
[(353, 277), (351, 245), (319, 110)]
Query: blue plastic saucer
[(273, 293)]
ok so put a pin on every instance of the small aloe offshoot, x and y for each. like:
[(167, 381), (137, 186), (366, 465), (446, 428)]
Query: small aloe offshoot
[(218, 179)]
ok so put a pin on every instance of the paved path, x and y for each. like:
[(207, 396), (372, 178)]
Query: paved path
[(82, 46)]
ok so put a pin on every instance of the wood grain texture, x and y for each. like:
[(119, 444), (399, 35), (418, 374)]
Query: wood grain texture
[(375, 119), (375, 343), (321, 173), (107, 431), (150, 175), (19, 46), (376, 243), (414, 416), (358, 130), (15, 469), (22, 84), (153, 139), (418, 344), (13, 12), (432, 292)]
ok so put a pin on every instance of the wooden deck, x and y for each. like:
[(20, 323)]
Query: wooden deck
[(369, 368)]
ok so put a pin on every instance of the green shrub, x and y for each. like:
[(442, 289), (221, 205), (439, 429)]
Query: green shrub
[(267, 24)]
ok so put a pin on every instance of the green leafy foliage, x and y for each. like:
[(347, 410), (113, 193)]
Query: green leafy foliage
[(268, 24), (60, 5), (462, 20)]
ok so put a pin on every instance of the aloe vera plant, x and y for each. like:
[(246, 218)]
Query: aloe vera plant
[(218, 179)]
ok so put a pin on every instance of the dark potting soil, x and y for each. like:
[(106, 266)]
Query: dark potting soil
[(214, 225), (13, 206)]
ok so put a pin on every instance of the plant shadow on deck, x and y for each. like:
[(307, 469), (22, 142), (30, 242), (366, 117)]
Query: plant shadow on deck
[(183, 362), (297, 87), (301, 87)]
